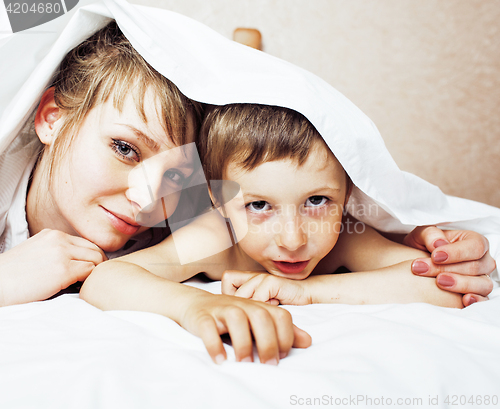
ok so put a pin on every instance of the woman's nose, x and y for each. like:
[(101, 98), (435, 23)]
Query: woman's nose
[(291, 235), (145, 186)]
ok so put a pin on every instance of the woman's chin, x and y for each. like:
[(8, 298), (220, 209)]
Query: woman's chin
[(107, 244)]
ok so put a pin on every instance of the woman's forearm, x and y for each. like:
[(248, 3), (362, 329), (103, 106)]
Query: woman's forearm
[(393, 284)]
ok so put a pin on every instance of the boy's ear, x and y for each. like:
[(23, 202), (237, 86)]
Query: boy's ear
[(47, 114)]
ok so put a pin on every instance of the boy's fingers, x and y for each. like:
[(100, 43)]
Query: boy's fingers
[(232, 280), (301, 339), (284, 330), (248, 289), (210, 336), (239, 330), (267, 289), (469, 299), (265, 335), (469, 247), (457, 283)]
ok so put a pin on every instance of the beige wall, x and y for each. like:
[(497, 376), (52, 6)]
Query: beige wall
[(427, 72)]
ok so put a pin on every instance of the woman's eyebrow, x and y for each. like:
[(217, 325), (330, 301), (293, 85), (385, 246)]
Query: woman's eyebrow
[(150, 143)]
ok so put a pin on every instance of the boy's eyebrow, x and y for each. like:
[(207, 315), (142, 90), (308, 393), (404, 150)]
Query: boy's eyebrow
[(313, 192), (150, 143)]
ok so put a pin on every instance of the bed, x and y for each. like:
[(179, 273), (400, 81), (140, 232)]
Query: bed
[(65, 353)]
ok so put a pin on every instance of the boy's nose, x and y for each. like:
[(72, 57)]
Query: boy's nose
[(291, 236)]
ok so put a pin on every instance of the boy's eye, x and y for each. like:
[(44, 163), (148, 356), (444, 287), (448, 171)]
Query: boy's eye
[(258, 206), (125, 150), (175, 176), (316, 201)]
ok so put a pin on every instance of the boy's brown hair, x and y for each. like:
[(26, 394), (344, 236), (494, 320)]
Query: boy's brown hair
[(252, 134)]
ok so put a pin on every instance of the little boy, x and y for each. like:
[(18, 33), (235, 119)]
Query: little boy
[(287, 221)]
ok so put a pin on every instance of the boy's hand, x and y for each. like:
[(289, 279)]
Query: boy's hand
[(460, 260), (210, 316), (265, 287)]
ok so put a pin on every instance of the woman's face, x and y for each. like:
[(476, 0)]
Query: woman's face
[(117, 167)]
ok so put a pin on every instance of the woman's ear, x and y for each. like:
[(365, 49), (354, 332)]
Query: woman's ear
[(47, 114)]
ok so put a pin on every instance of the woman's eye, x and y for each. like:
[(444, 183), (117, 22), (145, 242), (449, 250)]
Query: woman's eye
[(316, 201), (258, 206), (125, 150), (175, 176)]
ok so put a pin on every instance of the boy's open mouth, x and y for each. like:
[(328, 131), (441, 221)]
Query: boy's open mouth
[(291, 268)]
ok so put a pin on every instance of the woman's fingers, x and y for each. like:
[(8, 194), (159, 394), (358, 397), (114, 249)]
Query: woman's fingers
[(466, 250), (78, 271), (469, 299), (86, 254), (457, 283), (425, 238), (82, 243), (426, 267), (462, 278), (464, 246)]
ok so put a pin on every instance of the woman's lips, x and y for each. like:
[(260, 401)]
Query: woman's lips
[(118, 222), (291, 268)]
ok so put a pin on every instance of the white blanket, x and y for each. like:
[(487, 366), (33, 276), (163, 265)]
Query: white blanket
[(67, 354), (64, 353)]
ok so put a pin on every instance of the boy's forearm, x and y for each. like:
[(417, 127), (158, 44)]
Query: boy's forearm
[(117, 285), (393, 284)]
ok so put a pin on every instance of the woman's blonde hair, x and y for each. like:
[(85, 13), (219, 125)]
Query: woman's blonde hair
[(107, 66)]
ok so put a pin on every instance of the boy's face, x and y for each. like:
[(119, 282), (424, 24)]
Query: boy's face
[(117, 167), (289, 217)]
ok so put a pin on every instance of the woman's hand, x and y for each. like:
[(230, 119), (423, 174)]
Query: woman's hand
[(209, 316), (265, 287), (460, 260), (45, 264)]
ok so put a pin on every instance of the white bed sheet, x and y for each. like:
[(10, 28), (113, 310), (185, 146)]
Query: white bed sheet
[(64, 353)]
